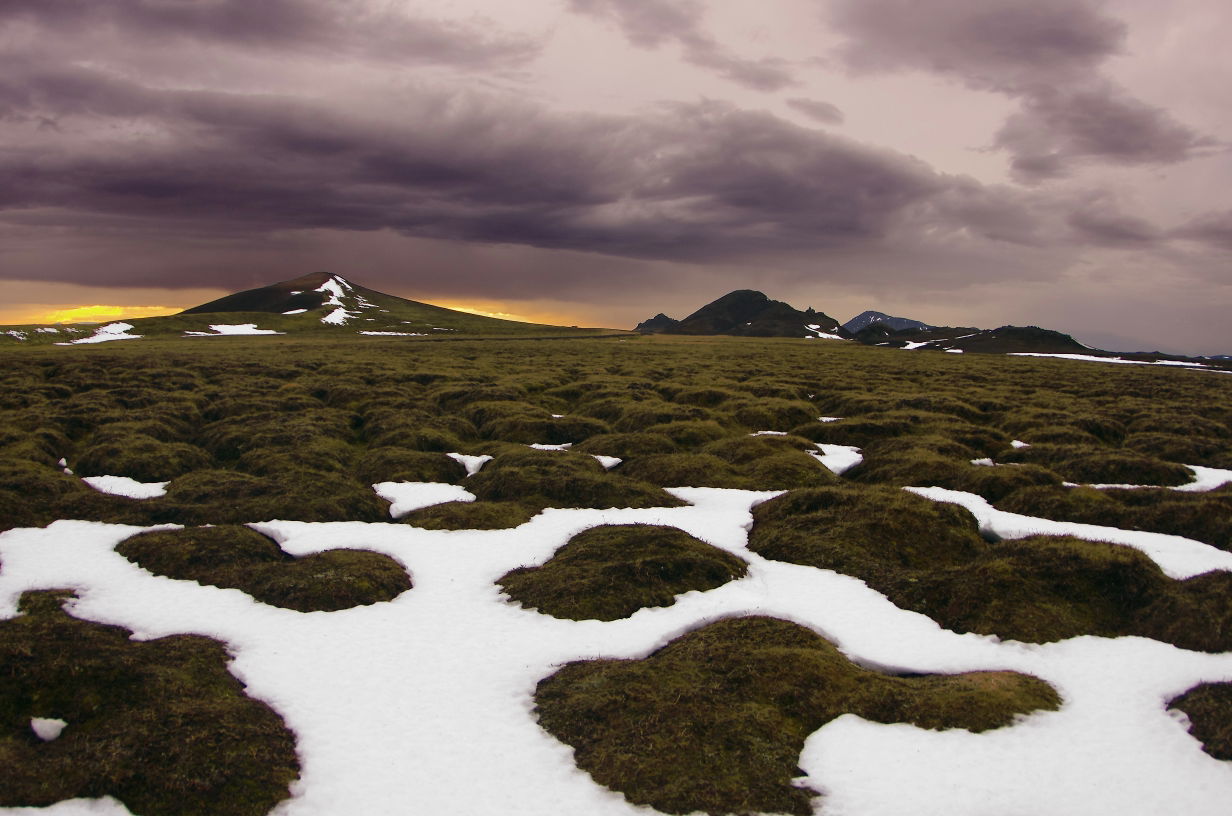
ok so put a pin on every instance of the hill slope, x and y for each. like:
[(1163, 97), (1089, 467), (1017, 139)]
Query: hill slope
[(749, 313)]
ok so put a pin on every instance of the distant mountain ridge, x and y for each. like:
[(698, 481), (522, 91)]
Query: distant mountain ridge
[(746, 313), (869, 318)]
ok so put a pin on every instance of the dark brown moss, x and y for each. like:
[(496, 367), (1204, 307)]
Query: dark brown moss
[(1209, 709), (610, 572), (1101, 465), (561, 479), (240, 558), (715, 721), (140, 457), (1205, 517), (402, 465), (930, 560), (477, 515), (160, 725)]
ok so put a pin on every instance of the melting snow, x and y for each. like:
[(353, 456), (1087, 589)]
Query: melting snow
[(838, 458), (47, 728), (103, 334), (560, 447), (819, 334), (221, 329), (392, 334), (424, 704), (124, 486), (1018, 443), (769, 433), (405, 497), (608, 462), (1093, 359), (913, 346), (471, 463), (337, 317), (295, 312), (828, 419), (1178, 557), (1205, 479)]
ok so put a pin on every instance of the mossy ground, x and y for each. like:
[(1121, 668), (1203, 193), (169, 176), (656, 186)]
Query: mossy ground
[(610, 572), (252, 429), (1209, 708), (160, 725), (929, 558), (236, 557), (715, 721)]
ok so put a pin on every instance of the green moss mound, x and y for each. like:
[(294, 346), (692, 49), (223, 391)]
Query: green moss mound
[(231, 497), (402, 465), (240, 558), (610, 572), (160, 725), (1205, 517), (477, 515), (864, 531), (930, 559), (544, 479), (627, 445), (715, 721), (1092, 464), (140, 457), (1209, 708)]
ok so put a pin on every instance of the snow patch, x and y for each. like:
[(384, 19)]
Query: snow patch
[(221, 329), (1179, 557), (405, 497), (561, 447), (104, 334), (47, 728), (471, 463), (295, 312), (1093, 359), (608, 462), (838, 458), (124, 486), (392, 334)]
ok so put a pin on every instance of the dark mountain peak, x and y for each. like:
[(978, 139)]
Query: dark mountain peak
[(305, 292), (656, 324), (870, 318), (750, 313)]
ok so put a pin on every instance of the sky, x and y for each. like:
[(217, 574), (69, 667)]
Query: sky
[(1062, 163)]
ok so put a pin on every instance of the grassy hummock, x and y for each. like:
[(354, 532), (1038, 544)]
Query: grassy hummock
[(161, 725), (715, 721), (1209, 709), (237, 557), (610, 572), (928, 558)]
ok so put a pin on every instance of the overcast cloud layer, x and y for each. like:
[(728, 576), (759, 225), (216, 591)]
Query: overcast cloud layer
[(577, 155)]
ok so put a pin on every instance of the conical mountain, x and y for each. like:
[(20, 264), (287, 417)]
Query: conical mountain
[(749, 313)]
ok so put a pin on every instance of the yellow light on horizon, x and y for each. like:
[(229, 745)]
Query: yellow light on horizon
[(101, 313)]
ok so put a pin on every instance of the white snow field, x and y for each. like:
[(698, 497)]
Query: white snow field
[(231, 329), (107, 333), (124, 486), (423, 705)]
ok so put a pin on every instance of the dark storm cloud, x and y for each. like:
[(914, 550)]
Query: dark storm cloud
[(1046, 53), (1056, 128), (1101, 224), (686, 181), (1214, 229), (654, 23), (997, 44), (335, 27), (816, 109)]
